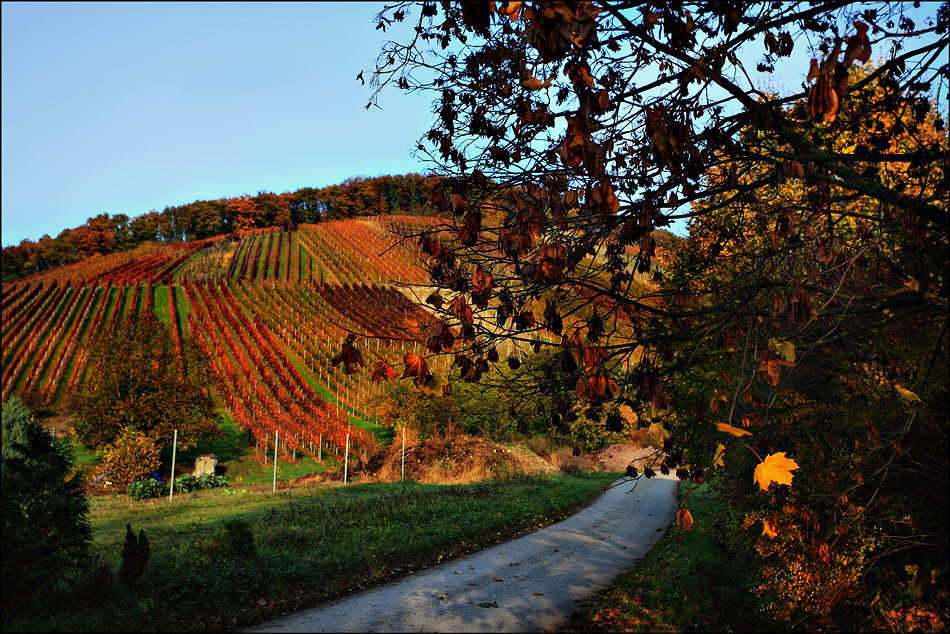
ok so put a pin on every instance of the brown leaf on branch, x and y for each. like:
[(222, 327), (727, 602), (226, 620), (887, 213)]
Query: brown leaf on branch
[(482, 284), (684, 519), (552, 320), (591, 357), (435, 299), (859, 46), (349, 356), (597, 389), (381, 370), (417, 368), (459, 204), (461, 309), (439, 337), (769, 369), (533, 83), (601, 198)]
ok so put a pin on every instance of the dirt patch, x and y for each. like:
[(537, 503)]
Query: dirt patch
[(617, 457), (441, 460), (461, 459)]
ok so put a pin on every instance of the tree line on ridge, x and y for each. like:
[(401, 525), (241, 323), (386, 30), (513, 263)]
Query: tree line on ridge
[(406, 194)]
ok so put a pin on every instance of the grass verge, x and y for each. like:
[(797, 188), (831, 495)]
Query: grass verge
[(686, 583), (310, 545)]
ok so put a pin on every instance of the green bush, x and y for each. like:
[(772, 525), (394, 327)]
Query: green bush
[(146, 489), (46, 531), (151, 488), (237, 540), (135, 556)]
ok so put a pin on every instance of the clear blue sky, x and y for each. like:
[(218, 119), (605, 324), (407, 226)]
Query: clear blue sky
[(128, 107), (125, 108)]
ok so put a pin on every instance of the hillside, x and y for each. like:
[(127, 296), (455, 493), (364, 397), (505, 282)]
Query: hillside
[(270, 307)]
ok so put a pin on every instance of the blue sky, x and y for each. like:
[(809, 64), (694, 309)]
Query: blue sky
[(128, 107), (124, 108)]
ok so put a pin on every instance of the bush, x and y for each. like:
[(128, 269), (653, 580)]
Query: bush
[(131, 458), (46, 531), (237, 540), (135, 556), (151, 488), (146, 489)]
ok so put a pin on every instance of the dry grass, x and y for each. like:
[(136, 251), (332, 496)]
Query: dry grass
[(452, 459)]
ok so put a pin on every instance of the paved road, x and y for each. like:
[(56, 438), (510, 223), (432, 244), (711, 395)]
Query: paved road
[(530, 584)]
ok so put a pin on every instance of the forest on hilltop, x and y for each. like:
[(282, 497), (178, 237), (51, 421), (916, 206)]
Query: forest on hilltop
[(406, 194)]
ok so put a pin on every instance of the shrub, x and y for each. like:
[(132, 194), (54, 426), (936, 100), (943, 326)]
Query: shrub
[(46, 531), (146, 489), (135, 556), (151, 488), (132, 457), (237, 540)]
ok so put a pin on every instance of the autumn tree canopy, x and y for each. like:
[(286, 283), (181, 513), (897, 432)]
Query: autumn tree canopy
[(568, 133), (141, 383), (814, 275)]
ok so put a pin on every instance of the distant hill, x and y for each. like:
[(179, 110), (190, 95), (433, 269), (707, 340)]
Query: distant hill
[(271, 307), (401, 195)]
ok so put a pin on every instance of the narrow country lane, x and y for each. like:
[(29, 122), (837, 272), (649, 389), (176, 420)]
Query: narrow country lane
[(530, 584)]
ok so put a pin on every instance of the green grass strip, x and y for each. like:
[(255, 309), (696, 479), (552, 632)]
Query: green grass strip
[(686, 583), (160, 304)]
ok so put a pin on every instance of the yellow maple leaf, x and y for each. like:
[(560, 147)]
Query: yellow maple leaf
[(533, 83), (775, 468), (653, 436), (784, 349), (906, 394), (717, 457), (768, 529), (735, 431)]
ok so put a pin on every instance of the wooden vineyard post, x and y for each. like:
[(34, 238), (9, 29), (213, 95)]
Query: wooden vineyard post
[(320, 448), (171, 490), (276, 442), (403, 479), (346, 459)]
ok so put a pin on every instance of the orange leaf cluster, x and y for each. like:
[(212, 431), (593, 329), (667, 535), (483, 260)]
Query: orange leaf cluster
[(831, 76), (684, 519), (597, 389)]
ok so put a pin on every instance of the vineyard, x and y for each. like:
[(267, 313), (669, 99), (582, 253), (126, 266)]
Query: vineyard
[(269, 307)]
